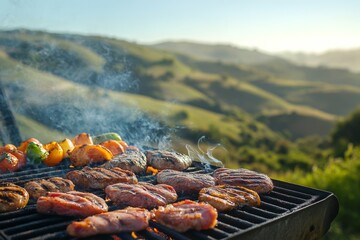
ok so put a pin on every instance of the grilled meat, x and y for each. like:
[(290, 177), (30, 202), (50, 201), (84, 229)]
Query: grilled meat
[(12, 197), (133, 160), (128, 219), (99, 178), (185, 215), (72, 203), (225, 198), (161, 159), (41, 187), (185, 183), (145, 195), (258, 182)]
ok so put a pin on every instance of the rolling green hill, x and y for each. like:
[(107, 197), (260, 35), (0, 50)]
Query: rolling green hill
[(74, 83), (347, 59)]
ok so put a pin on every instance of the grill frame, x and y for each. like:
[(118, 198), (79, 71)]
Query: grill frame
[(290, 211)]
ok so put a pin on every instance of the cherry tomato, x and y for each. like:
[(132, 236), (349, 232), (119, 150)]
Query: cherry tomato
[(9, 148), (8, 162)]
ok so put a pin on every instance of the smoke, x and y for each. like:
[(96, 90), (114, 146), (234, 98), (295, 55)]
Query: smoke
[(80, 94), (206, 158)]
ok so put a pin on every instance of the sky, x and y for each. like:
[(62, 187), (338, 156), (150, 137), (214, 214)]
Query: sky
[(268, 25)]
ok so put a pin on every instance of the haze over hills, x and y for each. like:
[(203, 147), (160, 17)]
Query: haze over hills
[(347, 59), (75, 83)]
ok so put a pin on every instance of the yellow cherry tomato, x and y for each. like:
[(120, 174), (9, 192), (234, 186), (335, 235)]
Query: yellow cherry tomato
[(56, 154), (67, 146)]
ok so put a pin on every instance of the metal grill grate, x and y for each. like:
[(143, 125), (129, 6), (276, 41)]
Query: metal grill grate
[(288, 212)]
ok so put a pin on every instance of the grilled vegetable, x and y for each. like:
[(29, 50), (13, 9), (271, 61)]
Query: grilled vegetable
[(9, 148), (8, 162), (82, 138), (25, 143), (36, 153), (85, 154), (114, 146), (67, 146), (56, 154), (106, 136)]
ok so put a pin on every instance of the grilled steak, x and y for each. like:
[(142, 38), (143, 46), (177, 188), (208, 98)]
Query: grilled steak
[(185, 215), (72, 203), (161, 159), (99, 178), (133, 160), (145, 195), (185, 183), (129, 219), (225, 198), (258, 182), (12, 197), (41, 187)]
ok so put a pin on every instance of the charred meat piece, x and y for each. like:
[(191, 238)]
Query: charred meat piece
[(258, 182), (185, 215), (128, 219), (99, 178), (41, 187), (133, 160), (12, 197), (161, 159), (72, 203), (225, 198), (145, 195), (185, 183)]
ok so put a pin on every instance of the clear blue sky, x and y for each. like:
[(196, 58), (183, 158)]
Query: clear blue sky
[(270, 25)]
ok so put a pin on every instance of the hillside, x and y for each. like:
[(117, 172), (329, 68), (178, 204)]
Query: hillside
[(346, 59), (216, 52), (73, 83)]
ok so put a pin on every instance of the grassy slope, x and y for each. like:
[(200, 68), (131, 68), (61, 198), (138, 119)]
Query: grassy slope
[(186, 84), (53, 87)]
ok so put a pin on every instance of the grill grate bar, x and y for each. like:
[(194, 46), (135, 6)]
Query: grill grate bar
[(216, 233), (226, 227), (272, 208), (40, 231), (293, 193), (261, 212), (33, 225), (168, 231), (278, 202), (239, 223), (198, 235), (248, 216), (287, 198)]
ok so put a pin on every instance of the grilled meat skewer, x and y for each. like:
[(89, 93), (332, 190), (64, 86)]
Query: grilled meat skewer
[(161, 159), (258, 182), (225, 198), (132, 159), (128, 219), (72, 203), (185, 183), (145, 195), (12, 197), (185, 215), (99, 178), (41, 187)]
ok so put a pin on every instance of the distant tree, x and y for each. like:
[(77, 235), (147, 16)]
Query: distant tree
[(345, 132)]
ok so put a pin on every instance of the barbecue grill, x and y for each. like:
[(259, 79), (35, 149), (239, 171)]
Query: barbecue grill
[(289, 212)]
